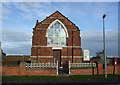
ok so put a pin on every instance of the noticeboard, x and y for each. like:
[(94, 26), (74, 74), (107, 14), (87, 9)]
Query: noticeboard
[(86, 55)]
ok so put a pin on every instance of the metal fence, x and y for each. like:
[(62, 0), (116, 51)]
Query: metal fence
[(81, 65), (41, 65)]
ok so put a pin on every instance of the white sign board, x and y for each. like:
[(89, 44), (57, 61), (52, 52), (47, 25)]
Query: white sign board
[(86, 55)]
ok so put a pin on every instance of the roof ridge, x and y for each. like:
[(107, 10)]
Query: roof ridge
[(53, 14)]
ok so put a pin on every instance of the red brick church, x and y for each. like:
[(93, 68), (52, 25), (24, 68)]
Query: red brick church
[(56, 38), (56, 48)]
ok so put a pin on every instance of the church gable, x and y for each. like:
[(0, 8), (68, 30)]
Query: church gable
[(41, 29), (57, 15)]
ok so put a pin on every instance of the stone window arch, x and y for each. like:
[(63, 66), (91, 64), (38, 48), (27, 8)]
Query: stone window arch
[(56, 34)]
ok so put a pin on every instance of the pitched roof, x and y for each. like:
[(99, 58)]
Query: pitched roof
[(55, 14)]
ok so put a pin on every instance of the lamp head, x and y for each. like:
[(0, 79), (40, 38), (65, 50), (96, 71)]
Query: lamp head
[(104, 16)]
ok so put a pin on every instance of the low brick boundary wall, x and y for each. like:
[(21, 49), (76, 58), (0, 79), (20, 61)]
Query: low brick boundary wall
[(10, 71), (22, 71), (99, 70), (82, 72)]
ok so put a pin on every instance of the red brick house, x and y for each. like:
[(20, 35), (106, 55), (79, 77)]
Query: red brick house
[(56, 38)]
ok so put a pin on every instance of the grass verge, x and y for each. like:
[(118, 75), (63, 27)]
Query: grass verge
[(94, 77), (57, 78), (29, 78)]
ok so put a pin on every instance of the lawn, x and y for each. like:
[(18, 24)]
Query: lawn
[(94, 77), (29, 78), (57, 78)]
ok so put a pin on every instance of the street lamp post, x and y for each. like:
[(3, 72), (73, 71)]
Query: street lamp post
[(104, 43)]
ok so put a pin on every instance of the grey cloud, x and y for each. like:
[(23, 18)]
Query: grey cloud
[(93, 40), (15, 36), (30, 9), (16, 42), (21, 49)]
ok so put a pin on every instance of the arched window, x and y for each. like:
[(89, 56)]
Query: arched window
[(56, 34)]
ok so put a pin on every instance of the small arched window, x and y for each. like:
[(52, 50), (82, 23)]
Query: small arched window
[(56, 34)]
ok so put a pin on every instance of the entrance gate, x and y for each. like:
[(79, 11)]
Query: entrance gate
[(65, 67)]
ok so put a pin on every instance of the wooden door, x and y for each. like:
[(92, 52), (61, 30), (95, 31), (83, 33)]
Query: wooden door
[(57, 56)]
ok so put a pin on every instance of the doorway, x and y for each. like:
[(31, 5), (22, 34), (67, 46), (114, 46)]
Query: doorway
[(57, 56)]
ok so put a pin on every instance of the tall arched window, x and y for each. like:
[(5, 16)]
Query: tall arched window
[(56, 34)]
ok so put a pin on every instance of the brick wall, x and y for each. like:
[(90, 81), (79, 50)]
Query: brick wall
[(51, 60), (113, 69), (81, 71), (22, 71), (47, 51), (10, 71), (110, 70), (89, 71), (38, 72), (118, 69)]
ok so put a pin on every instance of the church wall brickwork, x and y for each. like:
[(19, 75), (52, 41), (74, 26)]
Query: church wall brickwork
[(39, 37)]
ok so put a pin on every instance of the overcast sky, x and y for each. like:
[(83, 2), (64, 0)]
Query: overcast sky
[(18, 20)]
